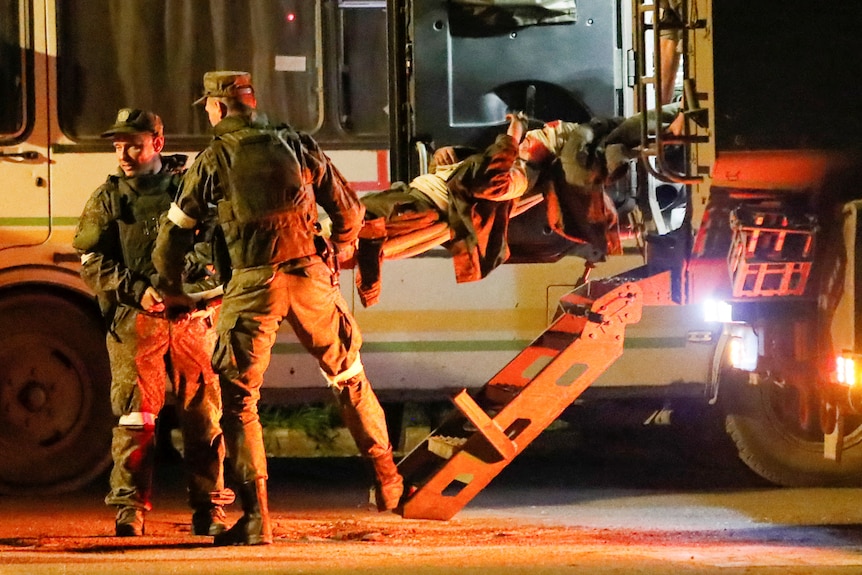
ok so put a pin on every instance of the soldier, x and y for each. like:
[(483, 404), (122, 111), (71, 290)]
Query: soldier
[(115, 237), (265, 182)]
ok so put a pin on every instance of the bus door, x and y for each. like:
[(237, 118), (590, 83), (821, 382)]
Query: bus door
[(24, 162)]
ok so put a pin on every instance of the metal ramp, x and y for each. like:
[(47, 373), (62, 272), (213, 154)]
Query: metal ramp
[(479, 438)]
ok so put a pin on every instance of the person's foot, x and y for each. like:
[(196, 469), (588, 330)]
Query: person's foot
[(249, 530), (210, 521), (129, 522), (387, 496)]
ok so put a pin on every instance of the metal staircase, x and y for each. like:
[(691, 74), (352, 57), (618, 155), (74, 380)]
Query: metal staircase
[(479, 438)]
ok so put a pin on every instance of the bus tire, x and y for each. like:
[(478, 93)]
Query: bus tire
[(762, 421), (55, 411)]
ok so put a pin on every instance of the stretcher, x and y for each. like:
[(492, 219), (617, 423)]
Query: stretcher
[(416, 242)]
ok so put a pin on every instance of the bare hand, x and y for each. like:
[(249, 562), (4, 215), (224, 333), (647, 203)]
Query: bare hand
[(677, 126), (517, 126), (152, 301), (445, 156)]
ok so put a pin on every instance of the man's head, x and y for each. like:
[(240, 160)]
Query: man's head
[(227, 92), (138, 137)]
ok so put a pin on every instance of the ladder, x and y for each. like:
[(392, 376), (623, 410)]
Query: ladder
[(479, 438)]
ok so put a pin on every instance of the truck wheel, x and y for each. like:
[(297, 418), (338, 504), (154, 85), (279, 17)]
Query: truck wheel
[(55, 411), (763, 422)]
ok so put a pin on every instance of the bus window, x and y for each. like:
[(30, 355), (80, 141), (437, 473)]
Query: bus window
[(363, 81), (153, 54), (12, 76)]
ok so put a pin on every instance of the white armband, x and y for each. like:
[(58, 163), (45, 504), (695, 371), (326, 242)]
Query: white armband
[(179, 217)]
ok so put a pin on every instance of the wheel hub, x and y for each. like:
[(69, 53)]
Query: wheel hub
[(33, 397)]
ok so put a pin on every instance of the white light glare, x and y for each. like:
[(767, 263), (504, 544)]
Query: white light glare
[(717, 311), (742, 349), (845, 368)]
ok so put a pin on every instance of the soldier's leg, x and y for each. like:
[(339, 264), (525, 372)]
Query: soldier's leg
[(325, 326), (198, 393), (364, 417), (135, 348), (252, 310)]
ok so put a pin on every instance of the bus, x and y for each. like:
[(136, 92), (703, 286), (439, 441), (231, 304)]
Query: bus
[(341, 70), (381, 83)]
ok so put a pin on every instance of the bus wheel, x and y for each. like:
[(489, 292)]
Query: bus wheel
[(763, 422), (55, 413)]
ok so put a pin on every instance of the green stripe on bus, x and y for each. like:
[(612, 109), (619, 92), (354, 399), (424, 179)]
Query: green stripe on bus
[(654, 342), (39, 222), (474, 346), (420, 346)]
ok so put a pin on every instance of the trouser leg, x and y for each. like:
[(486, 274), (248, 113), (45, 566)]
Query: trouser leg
[(247, 329), (199, 408), (204, 455), (136, 348), (131, 477), (364, 417)]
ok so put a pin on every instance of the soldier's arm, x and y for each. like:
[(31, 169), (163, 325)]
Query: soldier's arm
[(97, 241), (334, 195)]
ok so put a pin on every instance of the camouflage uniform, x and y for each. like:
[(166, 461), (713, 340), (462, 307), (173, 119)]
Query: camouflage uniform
[(115, 236), (267, 208)]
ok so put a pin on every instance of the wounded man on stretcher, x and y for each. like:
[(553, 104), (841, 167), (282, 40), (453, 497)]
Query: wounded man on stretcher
[(465, 201)]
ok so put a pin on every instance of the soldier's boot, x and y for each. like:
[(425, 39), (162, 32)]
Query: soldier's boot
[(390, 484), (129, 522), (364, 418), (254, 527), (209, 521)]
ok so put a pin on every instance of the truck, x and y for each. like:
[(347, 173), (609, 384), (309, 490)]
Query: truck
[(749, 214)]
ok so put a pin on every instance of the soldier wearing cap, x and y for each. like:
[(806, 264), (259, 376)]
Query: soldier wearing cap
[(265, 182), (115, 238)]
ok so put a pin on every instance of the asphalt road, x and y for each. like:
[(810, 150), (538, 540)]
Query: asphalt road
[(640, 504)]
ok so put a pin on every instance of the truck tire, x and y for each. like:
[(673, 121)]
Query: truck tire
[(762, 420), (55, 411)]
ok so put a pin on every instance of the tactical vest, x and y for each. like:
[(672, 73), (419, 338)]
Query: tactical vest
[(137, 205), (268, 214)]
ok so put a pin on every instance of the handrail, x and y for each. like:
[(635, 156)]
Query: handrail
[(655, 146)]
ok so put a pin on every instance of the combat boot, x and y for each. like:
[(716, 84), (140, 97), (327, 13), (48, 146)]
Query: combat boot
[(129, 522), (390, 484), (254, 527), (209, 521)]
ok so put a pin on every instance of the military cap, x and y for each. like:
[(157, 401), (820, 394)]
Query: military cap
[(135, 121), (225, 84)]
